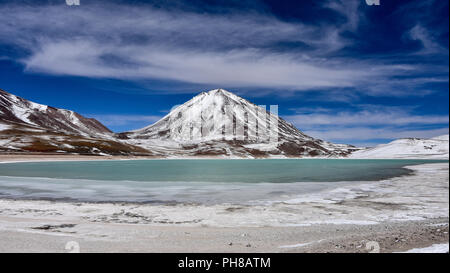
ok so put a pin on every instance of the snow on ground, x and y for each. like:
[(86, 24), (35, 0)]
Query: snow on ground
[(436, 248), (263, 146), (299, 245), (444, 137)]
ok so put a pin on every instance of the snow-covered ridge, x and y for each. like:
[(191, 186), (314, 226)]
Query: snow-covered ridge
[(433, 148), (26, 126), (18, 110)]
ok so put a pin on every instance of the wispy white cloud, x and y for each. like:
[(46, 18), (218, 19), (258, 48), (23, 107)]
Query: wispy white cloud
[(247, 67), (140, 42), (421, 34), (361, 134), (349, 8), (366, 117), (366, 123)]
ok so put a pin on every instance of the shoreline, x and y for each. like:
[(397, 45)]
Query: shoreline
[(25, 158), (401, 213)]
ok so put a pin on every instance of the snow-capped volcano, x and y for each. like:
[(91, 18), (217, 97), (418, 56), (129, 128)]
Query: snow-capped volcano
[(219, 122), (216, 115)]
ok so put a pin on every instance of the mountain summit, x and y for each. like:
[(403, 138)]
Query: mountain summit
[(219, 122)]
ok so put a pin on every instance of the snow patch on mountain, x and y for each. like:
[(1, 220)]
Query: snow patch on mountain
[(4, 127)]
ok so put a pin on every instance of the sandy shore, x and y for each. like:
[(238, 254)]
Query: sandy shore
[(398, 214)]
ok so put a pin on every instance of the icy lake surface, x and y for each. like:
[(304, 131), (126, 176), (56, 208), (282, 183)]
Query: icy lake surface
[(190, 181)]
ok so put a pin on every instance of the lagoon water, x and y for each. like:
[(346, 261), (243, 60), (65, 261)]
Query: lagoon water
[(193, 181)]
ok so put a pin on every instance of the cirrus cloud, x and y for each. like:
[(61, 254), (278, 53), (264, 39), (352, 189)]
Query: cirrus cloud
[(235, 50)]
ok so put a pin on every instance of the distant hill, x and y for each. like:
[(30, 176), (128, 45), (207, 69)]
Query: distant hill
[(409, 148), (26, 126)]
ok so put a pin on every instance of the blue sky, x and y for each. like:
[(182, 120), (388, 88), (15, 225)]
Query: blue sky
[(339, 70)]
